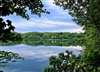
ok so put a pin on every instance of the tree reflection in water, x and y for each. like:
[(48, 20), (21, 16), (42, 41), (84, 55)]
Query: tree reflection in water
[(6, 57)]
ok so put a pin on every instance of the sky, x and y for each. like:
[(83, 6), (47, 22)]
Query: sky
[(57, 21)]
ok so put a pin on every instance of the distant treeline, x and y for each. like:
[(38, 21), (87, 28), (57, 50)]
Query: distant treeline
[(55, 43), (52, 35), (53, 38), (50, 39)]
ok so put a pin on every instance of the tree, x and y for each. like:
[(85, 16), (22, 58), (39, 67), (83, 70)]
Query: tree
[(6, 57), (20, 8), (7, 31), (65, 62), (84, 12)]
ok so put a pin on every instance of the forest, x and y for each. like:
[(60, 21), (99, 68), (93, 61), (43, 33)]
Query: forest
[(48, 39), (85, 13)]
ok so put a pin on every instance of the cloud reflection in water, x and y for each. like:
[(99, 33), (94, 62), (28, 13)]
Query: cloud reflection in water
[(36, 57)]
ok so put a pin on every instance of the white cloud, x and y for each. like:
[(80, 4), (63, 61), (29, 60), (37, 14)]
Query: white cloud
[(58, 9), (34, 24), (49, 3), (54, 20), (39, 51), (78, 30), (74, 47), (41, 23), (16, 70)]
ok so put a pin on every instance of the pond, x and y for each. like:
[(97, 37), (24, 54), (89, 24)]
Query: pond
[(36, 58)]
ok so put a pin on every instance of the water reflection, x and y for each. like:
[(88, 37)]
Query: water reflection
[(36, 57), (54, 42), (6, 57)]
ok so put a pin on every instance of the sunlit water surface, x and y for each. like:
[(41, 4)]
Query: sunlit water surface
[(36, 57)]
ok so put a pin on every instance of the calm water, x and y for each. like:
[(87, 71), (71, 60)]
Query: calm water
[(36, 57)]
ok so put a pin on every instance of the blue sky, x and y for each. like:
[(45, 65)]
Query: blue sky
[(57, 21)]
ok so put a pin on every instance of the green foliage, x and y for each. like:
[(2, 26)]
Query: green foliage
[(46, 43), (53, 35), (55, 39), (6, 57), (92, 50), (65, 62), (85, 13), (20, 7), (9, 43), (68, 62), (89, 59), (7, 31)]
